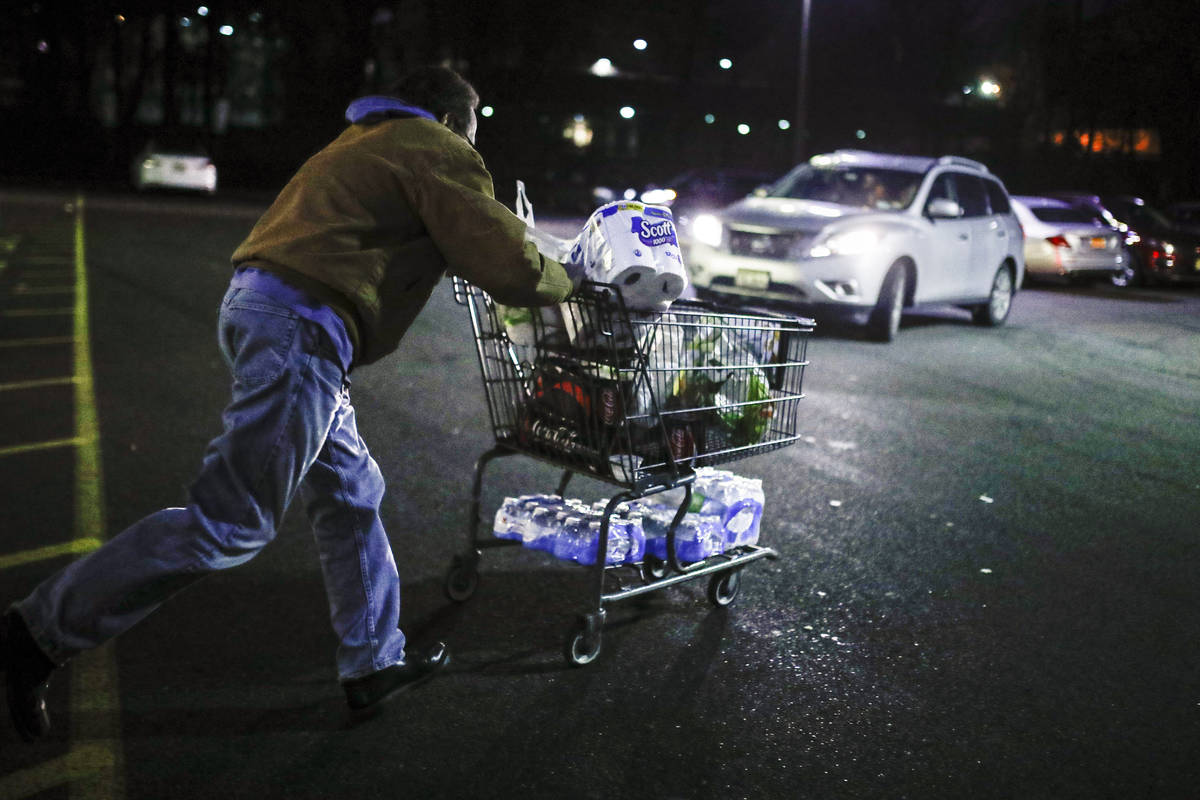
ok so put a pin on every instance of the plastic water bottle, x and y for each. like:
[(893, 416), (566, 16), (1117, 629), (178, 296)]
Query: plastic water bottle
[(547, 530), (618, 540), (740, 522), (569, 541), (636, 550), (698, 537), (743, 502), (505, 524)]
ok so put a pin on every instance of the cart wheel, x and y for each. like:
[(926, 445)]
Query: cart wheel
[(461, 580), (579, 651), (723, 587), (654, 567)]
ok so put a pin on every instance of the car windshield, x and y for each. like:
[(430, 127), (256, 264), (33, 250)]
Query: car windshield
[(1063, 215), (865, 187)]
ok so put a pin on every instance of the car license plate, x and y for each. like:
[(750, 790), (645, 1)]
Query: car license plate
[(1099, 242), (752, 279)]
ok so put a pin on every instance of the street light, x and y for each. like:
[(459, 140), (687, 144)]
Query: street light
[(802, 85), (603, 68)]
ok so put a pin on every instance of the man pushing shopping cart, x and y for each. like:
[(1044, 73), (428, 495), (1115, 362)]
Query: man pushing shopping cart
[(329, 279)]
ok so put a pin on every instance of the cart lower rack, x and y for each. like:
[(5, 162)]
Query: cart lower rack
[(638, 401)]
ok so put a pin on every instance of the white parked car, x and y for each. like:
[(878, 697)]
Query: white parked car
[(166, 165), (1065, 241), (865, 235)]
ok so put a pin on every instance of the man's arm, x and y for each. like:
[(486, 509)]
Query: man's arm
[(482, 240)]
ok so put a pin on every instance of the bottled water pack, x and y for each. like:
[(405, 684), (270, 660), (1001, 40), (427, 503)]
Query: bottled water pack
[(725, 512), (570, 529)]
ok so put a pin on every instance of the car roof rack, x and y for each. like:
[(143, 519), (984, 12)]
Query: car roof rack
[(959, 161)]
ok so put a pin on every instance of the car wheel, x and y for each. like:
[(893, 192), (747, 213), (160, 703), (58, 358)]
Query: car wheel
[(995, 310), (1127, 277), (884, 322)]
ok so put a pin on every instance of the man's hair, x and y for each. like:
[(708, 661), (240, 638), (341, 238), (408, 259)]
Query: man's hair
[(438, 90)]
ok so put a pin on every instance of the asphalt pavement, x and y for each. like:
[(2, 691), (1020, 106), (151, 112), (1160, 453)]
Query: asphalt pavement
[(986, 584)]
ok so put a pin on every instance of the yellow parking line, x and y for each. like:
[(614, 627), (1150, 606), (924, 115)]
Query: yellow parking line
[(93, 768), (95, 699), (33, 447), (82, 765), (40, 383), (76, 547)]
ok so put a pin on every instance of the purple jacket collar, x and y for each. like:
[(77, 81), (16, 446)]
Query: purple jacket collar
[(381, 104)]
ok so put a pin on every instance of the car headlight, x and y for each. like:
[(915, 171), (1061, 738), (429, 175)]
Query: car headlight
[(659, 197), (708, 230), (847, 243)]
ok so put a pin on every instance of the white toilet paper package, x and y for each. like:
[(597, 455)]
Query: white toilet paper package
[(633, 246)]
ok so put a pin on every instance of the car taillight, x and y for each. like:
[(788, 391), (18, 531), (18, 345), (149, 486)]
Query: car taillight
[(1058, 241)]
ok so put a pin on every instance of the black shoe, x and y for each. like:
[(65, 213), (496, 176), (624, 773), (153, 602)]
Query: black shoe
[(27, 676), (370, 689)]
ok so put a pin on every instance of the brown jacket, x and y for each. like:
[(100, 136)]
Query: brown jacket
[(371, 223)]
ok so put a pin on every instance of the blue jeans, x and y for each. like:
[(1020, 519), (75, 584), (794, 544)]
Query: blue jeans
[(289, 427)]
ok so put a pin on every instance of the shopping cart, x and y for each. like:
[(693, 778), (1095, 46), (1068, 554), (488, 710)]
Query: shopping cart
[(636, 400)]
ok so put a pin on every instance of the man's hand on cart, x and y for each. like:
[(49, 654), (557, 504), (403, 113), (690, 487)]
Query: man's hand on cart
[(576, 273)]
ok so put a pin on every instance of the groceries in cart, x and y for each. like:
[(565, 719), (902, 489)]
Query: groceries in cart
[(724, 514), (682, 391)]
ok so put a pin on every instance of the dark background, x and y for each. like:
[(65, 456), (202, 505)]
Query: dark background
[(1095, 94)]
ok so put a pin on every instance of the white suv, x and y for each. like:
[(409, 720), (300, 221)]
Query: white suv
[(865, 235)]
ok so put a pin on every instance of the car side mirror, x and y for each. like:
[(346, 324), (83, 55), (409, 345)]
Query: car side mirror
[(941, 208)]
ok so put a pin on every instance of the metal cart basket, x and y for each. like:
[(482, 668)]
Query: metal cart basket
[(638, 400)]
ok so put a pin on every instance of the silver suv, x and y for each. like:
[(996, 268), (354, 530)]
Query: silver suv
[(866, 235)]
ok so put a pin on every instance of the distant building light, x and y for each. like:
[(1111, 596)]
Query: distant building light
[(784, 124), (226, 30), (967, 90), (631, 194), (743, 128), (989, 88), (202, 11), (603, 68), (725, 63), (255, 16), (860, 134), (486, 111), (579, 131), (627, 112), (120, 19), (186, 22), (639, 44), (43, 46), (709, 119)]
